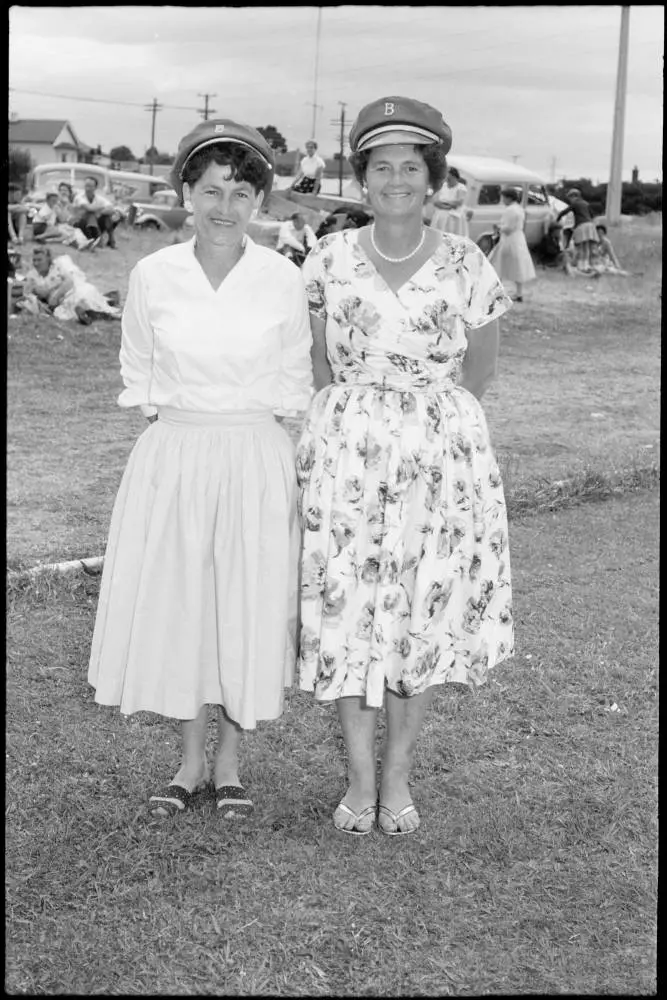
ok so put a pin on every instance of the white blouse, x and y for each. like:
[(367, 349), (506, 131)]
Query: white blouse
[(245, 346)]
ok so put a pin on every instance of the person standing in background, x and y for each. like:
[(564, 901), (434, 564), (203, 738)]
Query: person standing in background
[(584, 233), (511, 256), (449, 204)]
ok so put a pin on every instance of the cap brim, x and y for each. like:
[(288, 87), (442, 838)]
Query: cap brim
[(392, 136), (219, 140)]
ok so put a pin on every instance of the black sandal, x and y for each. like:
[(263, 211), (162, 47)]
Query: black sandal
[(176, 799), (232, 800)]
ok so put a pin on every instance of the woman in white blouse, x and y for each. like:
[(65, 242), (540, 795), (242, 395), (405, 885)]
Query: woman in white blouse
[(450, 214), (198, 597)]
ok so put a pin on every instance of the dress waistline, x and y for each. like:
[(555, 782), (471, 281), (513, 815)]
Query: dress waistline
[(395, 385), (230, 418)]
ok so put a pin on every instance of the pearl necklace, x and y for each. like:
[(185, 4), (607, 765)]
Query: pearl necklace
[(396, 260)]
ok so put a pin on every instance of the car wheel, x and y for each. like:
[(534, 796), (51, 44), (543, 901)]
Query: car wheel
[(150, 224)]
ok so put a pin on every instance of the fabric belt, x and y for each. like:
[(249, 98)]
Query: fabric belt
[(230, 418)]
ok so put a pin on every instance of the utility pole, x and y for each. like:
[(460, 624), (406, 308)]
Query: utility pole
[(154, 108), (615, 186), (554, 161), (205, 111), (340, 121), (317, 60)]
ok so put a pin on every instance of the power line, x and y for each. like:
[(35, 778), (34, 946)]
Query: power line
[(97, 100)]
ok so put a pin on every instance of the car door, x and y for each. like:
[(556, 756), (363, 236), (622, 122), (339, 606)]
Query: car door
[(486, 208), (538, 213)]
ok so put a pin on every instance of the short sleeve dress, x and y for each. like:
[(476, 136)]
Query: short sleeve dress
[(405, 575)]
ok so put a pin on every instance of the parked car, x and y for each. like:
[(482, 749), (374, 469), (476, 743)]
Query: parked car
[(162, 211), (485, 177), (120, 186)]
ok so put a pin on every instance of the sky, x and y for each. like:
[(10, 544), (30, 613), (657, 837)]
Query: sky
[(536, 84)]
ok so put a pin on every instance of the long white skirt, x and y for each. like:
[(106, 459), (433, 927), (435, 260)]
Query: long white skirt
[(198, 597), (511, 258)]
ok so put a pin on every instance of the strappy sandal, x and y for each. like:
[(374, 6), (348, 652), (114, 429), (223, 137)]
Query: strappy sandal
[(232, 800), (358, 819), (394, 819), (176, 799)]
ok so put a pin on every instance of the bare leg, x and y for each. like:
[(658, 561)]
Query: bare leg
[(358, 723), (405, 717), (227, 754), (519, 290), (193, 763)]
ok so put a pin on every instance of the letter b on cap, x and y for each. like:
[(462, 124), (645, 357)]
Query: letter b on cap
[(389, 108)]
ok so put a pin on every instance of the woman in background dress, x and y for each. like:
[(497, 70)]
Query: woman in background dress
[(198, 598), (449, 203), (511, 256)]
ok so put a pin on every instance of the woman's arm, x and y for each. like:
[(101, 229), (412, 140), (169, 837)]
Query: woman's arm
[(296, 373), (136, 349), (57, 294), (480, 365), (322, 373)]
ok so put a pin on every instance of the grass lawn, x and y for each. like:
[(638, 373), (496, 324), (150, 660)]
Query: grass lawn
[(535, 870)]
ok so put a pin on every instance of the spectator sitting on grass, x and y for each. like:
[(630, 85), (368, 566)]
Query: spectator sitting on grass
[(295, 238), (604, 257), (59, 287), (95, 214), (50, 226)]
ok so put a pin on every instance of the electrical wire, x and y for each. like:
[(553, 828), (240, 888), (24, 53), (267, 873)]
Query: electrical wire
[(99, 100)]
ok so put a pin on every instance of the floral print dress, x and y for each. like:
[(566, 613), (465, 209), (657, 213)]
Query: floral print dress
[(405, 574)]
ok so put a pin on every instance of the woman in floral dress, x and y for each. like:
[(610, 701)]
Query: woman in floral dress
[(405, 566)]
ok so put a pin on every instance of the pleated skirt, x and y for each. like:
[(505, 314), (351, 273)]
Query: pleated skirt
[(198, 598)]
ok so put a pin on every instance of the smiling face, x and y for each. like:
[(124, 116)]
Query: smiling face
[(397, 179), (221, 206), (311, 148)]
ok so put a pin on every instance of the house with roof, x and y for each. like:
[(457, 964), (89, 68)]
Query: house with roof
[(50, 141)]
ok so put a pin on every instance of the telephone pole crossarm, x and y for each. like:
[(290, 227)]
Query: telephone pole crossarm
[(206, 111)]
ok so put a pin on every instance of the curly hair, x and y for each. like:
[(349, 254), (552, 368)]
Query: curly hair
[(434, 157), (245, 164)]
